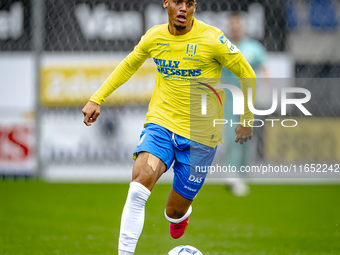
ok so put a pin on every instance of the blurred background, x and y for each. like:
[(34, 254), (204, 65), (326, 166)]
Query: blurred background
[(55, 54)]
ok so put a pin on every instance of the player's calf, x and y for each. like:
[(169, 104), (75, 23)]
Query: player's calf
[(132, 218), (177, 212)]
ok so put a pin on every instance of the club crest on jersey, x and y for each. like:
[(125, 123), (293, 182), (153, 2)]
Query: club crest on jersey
[(191, 49)]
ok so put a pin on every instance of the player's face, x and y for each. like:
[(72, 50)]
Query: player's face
[(236, 29), (180, 12)]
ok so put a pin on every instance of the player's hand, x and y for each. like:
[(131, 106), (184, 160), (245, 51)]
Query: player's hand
[(91, 112), (243, 134)]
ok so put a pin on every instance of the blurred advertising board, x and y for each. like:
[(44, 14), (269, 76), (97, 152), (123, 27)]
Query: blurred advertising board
[(312, 140), (68, 84), (15, 27), (73, 152), (101, 25), (70, 80), (17, 145), (17, 135)]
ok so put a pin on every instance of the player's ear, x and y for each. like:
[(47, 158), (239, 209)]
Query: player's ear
[(165, 4), (195, 7)]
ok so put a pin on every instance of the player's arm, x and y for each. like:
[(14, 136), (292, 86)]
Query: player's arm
[(118, 77), (231, 58)]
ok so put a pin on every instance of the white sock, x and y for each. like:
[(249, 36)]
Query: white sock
[(175, 221), (132, 218), (125, 252)]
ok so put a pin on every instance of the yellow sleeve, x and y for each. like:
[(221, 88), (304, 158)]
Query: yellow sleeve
[(123, 72), (231, 58)]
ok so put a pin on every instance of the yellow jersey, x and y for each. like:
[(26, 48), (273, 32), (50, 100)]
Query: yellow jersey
[(196, 56)]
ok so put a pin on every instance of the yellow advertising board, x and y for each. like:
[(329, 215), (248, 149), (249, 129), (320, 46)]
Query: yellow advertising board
[(67, 85), (314, 139)]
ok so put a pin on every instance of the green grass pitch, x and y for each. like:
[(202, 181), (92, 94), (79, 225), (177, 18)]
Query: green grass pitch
[(44, 218)]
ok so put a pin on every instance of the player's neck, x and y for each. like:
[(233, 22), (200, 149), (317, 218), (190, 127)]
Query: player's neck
[(175, 31)]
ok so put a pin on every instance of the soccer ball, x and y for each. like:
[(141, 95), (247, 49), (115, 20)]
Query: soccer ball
[(184, 250)]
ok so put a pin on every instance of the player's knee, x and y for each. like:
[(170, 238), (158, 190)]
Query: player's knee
[(140, 175), (145, 181)]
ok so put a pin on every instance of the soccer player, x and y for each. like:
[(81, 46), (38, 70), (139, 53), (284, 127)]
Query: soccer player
[(183, 50), (255, 54)]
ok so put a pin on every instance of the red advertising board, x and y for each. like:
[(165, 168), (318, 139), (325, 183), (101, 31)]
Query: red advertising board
[(17, 152)]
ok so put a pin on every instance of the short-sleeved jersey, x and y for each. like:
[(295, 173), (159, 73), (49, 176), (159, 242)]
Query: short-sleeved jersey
[(180, 60)]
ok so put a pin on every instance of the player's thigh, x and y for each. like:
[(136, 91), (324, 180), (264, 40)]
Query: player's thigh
[(154, 155), (147, 169)]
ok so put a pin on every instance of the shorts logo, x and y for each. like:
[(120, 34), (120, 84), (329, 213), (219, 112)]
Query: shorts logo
[(223, 39), (191, 49), (193, 178)]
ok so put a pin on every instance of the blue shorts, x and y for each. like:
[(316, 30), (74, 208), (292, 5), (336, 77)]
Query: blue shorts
[(191, 159)]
